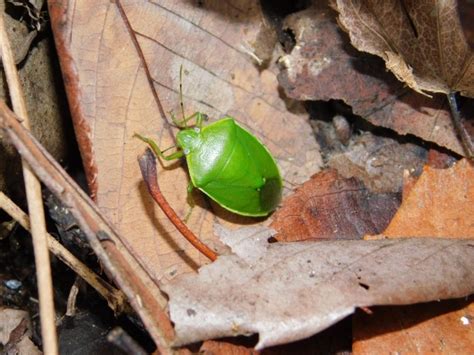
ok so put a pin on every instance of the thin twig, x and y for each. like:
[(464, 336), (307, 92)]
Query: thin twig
[(72, 298), (35, 206), (115, 298), (148, 168), (459, 127)]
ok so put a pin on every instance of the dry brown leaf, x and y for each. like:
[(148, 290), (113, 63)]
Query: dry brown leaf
[(421, 42), (331, 207), (432, 328), (323, 66), (441, 203), (212, 347), (289, 291), (111, 100), (466, 14)]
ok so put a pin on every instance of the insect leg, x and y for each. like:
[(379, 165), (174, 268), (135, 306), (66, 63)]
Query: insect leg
[(200, 117), (190, 201), (176, 155)]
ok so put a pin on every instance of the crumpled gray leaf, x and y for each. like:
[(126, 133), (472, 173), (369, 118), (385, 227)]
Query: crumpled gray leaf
[(287, 292)]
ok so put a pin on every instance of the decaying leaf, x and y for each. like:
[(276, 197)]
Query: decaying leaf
[(289, 291), (431, 328), (323, 66), (441, 202), (421, 42), (379, 162), (111, 100), (15, 332), (331, 207)]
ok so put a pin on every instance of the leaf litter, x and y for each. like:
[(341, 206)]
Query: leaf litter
[(323, 66), (421, 42), (289, 291), (441, 203), (273, 333)]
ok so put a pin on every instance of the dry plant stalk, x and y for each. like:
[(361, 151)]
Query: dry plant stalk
[(114, 297), (35, 205)]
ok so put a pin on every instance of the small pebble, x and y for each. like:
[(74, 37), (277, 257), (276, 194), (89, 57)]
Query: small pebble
[(13, 284)]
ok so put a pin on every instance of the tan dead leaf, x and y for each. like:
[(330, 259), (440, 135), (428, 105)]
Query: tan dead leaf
[(331, 207), (111, 100), (422, 42), (324, 66), (440, 204), (289, 291), (15, 332)]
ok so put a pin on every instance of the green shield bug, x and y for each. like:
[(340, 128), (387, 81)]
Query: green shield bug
[(227, 163)]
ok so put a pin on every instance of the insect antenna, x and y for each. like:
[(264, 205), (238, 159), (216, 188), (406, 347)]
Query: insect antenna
[(181, 104)]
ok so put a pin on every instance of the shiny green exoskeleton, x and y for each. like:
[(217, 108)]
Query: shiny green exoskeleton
[(227, 163)]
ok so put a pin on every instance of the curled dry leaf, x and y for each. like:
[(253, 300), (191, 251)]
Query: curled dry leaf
[(421, 42), (324, 66), (111, 100), (331, 207), (289, 291)]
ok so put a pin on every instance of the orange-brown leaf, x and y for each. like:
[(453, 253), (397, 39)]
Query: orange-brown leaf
[(432, 328), (331, 207), (440, 204)]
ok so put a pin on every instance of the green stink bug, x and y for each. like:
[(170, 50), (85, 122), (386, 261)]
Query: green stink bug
[(228, 164)]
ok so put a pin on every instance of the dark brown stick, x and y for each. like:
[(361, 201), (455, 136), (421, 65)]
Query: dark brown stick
[(147, 164), (466, 141)]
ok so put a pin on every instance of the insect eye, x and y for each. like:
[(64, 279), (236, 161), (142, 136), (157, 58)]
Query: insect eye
[(186, 151), (197, 129)]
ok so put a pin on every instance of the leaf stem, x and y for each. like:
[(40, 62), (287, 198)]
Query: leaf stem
[(459, 127), (147, 164)]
